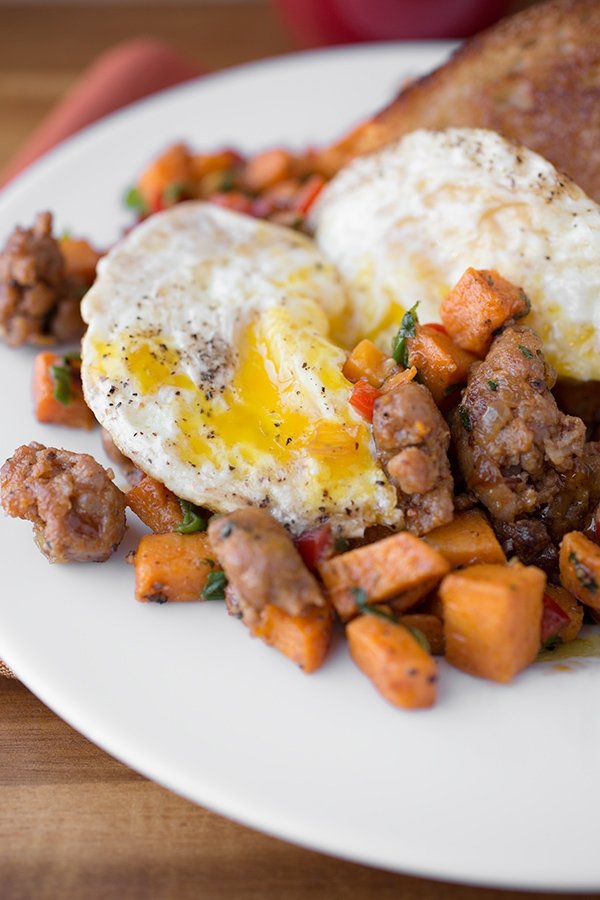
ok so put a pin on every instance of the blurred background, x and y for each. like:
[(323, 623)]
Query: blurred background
[(46, 46)]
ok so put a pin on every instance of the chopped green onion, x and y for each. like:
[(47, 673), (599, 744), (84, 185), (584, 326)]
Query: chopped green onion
[(465, 418), (174, 192), (407, 330), (420, 638), (192, 520), (62, 376), (525, 351), (584, 576), (133, 200), (214, 589)]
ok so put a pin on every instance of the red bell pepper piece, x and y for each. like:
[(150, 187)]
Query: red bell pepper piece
[(316, 545), (363, 398), (554, 618)]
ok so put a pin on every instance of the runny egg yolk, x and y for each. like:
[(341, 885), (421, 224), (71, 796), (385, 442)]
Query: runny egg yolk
[(287, 402)]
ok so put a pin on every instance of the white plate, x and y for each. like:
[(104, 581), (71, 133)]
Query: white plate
[(496, 785)]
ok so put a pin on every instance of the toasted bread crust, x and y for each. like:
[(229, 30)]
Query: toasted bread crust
[(534, 77)]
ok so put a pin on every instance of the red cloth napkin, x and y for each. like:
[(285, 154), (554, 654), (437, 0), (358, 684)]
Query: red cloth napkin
[(120, 76)]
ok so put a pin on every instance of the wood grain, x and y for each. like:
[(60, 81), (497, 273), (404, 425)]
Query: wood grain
[(74, 823)]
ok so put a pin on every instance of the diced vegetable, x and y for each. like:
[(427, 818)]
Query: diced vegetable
[(394, 381), (481, 302), (492, 618), (562, 616), (304, 639), (57, 393), (173, 567), (467, 539), (398, 565), (155, 505), (174, 166), (308, 193), (315, 545), (363, 399), (80, 259), (580, 568), (234, 200), (203, 164), (430, 626), (389, 654), (267, 168), (442, 365), (369, 362)]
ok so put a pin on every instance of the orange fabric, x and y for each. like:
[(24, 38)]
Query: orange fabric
[(120, 76)]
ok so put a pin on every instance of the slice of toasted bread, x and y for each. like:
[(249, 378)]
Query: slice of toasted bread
[(534, 77)]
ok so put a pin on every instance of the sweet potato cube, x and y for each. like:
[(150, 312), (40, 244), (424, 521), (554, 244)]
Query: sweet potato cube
[(174, 166), (369, 362), (80, 258), (430, 626), (481, 302), (57, 392), (442, 365), (398, 565), (399, 667), (492, 618), (155, 505), (579, 562), (173, 567), (304, 638), (467, 539)]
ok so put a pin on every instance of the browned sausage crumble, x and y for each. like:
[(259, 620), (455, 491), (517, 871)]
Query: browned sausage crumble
[(524, 459), (262, 565), (39, 304), (78, 514), (412, 442)]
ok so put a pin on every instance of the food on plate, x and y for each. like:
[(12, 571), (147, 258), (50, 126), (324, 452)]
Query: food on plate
[(562, 617), (395, 660), (173, 567), (40, 294), (492, 616), (232, 392), (262, 565), (57, 392), (520, 456), (467, 539), (304, 638), (580, 568), (158, 507), (412, 441), (533, 77), (404, 223), (78, 514)]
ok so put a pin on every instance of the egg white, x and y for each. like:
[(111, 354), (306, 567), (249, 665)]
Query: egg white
[(208, 360), (402, 225)]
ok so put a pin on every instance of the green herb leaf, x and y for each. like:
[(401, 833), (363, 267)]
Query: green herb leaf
[(453, 389), (407, 330), (175, 192), (584, 576), (214, 589), (340, 545), (227, 182), (192, 520), (361, 600), (133, 200), (62, 376), (493, 385), (527, 303), (420, 638), (525, 351), (465, 418)]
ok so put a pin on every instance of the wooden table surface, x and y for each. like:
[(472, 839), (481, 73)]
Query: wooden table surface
[(74, 823)]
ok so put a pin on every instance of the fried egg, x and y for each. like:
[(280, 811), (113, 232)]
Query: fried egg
[(402, 225), (208, 359)]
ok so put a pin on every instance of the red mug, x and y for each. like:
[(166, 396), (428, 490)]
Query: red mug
[(322, 22)]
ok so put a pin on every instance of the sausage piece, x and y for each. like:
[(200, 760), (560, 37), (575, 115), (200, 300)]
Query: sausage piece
[(412, 441), (77, 512), (39, 304), (515, 448), (262, 564)]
